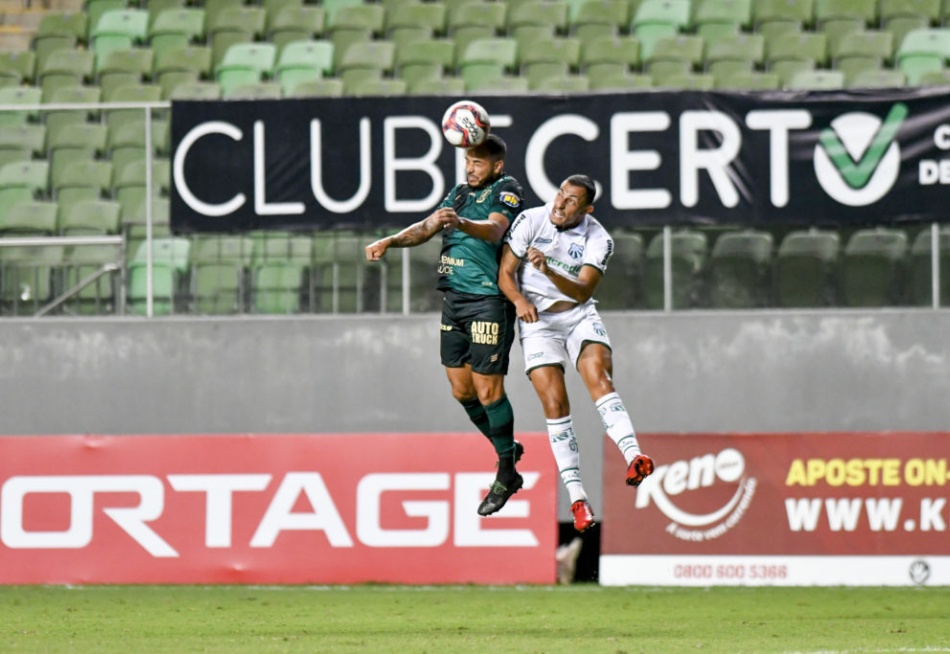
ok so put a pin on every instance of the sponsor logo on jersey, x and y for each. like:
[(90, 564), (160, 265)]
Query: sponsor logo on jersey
[(542, 241), (510, 199)]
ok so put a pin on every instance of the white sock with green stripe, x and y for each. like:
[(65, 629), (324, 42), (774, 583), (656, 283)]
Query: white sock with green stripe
[(618, 425), (567, 455)]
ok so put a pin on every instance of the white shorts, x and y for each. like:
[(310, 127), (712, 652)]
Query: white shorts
[(556, 338)]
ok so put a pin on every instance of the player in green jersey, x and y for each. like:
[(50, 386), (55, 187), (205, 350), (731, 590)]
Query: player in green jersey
[(478, 322)]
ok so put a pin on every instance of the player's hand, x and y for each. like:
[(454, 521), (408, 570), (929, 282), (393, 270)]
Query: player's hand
[(526, 311), (448, 218), (376, 249), (537, 259)]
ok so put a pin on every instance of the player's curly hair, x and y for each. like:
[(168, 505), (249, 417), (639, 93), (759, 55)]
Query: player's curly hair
[(586, 183)]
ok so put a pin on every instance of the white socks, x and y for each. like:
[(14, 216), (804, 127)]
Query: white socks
[(618, 426), (567, 455)]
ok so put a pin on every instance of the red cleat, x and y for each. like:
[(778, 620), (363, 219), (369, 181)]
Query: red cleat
[(583, 515), (639, 469)]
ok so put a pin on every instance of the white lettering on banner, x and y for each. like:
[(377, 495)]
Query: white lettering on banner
[(942, 137), (469, 488), (178, 169), (81, 490), (778, 124), (261, 206), (934, 172), (883, 514), (624, 161), (316, 170), (280, 514), (426, 163), (369, 528), (544, 135), (219, 490), (716, 161)]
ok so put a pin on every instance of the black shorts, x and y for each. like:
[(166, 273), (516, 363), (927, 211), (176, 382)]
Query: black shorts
[(478, 330)]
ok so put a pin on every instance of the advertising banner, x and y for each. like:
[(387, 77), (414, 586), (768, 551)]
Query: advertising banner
[(781, 509), (269, 509), (660, 158)]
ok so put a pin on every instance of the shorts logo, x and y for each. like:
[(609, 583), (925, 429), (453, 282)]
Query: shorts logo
[(510, 199), (494, 358), (485, 332), (536, 355), (576, 251)]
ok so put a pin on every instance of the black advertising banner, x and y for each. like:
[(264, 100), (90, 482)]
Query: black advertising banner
[(660, 158)]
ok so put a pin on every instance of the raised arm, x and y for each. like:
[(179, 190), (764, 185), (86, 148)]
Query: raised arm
[(415, 234)]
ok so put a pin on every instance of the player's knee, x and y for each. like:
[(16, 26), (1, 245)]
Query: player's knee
[(555, 407)]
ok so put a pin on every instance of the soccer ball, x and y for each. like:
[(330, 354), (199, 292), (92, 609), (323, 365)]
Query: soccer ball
[(465, 124)]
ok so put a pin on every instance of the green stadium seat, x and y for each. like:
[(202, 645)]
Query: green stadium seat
[(94, 217), (274, 7), (118, 29), (547, 58), (923, 51), (277, 287), (63, 23), (901, 26), (19, 66), (928, 9), (487, 58), (82, 263), (621, 82), (686, 81), (424, 60), (95, 9), (177, 66), (870, 44), (935, 78), (72, 143), (534, 19), (599, 19), (246, 63), (806, 269), (750, 81), (156, 7), (740, 267), (863, 10), (366, 60), (873, 268), (736, 14), (254, 91), (681, 53), (179, 28), (213, 8), (797, 46), (567, 84), (195, 91), (835, 30), (28, 217), (223, 40), (46, 46), (470, 21), (616, 56), (303, 23), (124, 67), (814, 80), (620, 287), (170, 258), (689, 253), (26, 276), (31, 175), (14, 95), (878, 79), (437, 86), (81, 180), (217, 288), (303, 60), (740, 53), (317, 88), (241, 18), (55, 119), (375, 87), (65, 68), (798, 12), (430, 17), (921, 268), (281, 247), (28, 139), (332, 7)]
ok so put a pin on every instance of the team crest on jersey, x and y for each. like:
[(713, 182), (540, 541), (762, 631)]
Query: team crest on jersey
[(576, 251), (511, 200), (483, 196), (599, 328)]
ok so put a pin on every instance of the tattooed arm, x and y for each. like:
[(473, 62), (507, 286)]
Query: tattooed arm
[(415, 234)]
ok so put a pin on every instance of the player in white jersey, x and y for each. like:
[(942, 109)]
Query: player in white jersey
[(554, 258)]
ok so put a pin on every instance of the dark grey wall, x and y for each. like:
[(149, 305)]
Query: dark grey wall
[(688, 371)]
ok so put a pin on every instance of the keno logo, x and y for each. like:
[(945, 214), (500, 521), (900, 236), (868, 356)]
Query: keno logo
[(857, 159), (706, 474)]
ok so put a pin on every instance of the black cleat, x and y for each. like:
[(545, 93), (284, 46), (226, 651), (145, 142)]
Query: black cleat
[(499, 494), (519, 451)]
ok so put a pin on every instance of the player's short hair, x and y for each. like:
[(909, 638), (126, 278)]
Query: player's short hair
[(586, 183), (493, 146)]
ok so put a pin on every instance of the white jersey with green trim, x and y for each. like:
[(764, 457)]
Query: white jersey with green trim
[(567, 251)]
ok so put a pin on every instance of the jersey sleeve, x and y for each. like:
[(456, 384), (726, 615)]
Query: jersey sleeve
[(508, 199), (600, 247), (449, 200), (519, 235)]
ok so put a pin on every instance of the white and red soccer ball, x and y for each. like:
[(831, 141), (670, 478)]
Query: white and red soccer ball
[(466, 124)]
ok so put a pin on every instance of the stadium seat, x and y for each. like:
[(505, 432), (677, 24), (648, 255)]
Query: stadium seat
[(83, 262), (615, 56), (689, 254), (95, 9), (923, 51), (93, 217), (182, 65), (170, 262), (74, 24), (18, 65), (26, 277), (218, 270), (437, 86), (65, 68), (599, 19), (749, 81), (567, 84), (55, 119), (921, 268), (806, 269), (302, 60), (156, 7), (31, 175), (81, 180), (72, 143), (740, 53), (794, 12), (141, 93), (254, 91), (470, 21), (296, 23), (797, 46), (366, 60), (935, 78), (406, 20), (354, 24), (740, 267), (874, 45), (622, 82), (48, 45), (26, 140), (830, 10), (277, 287), (176, 28), (620, 287), (213, 8), (814, 80), (239, 18), (687, 81), (124, 67), (245, 63), (927, 9), (675, 13), (25, 95), (28, 217), (709, 17), (424, 60), (118, 29), (878, 79), (873, 268), (332, 7), (375, 87), (554, 57), (195, 91), (317, 88), (485, 59), (221, 41), (901, 26), (533, 19)]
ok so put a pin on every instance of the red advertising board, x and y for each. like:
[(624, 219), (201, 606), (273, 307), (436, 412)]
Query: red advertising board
[(781, 509), (301, 509)]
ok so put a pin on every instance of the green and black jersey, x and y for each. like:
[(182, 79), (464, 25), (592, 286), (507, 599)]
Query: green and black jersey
[(469, 264)]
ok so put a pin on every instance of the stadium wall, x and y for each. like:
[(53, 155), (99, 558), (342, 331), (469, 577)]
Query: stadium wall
[(760, 371)]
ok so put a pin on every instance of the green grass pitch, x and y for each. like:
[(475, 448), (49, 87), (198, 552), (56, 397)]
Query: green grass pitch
[(579, 618)]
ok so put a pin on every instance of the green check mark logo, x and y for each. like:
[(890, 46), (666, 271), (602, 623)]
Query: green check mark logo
[(858, 173)]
